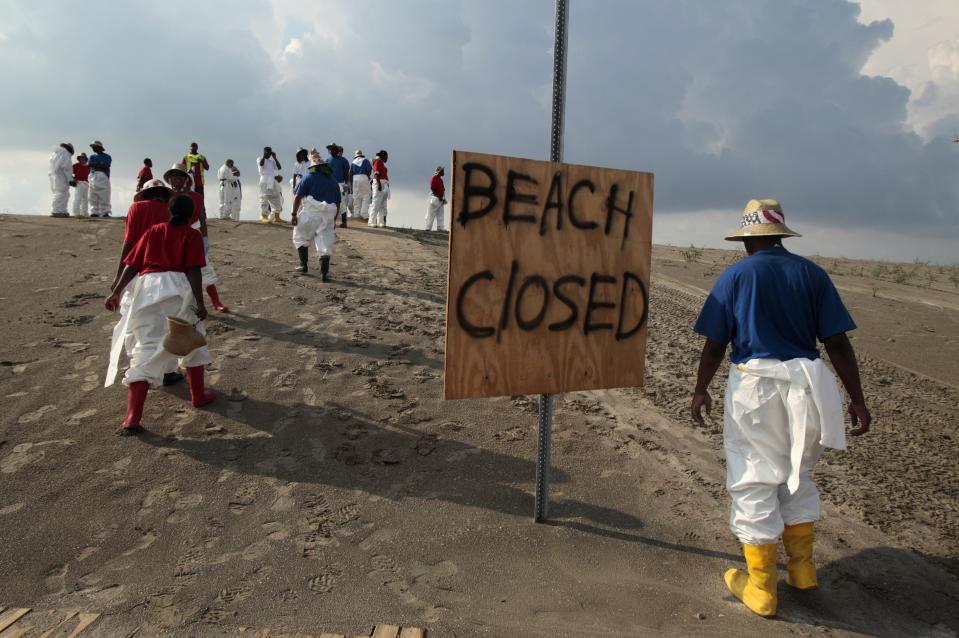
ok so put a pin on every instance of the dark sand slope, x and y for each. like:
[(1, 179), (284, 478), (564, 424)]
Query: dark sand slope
[(344, 492)]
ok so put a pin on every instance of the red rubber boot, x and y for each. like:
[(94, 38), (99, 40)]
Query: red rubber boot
[(198, 394), (136, 397), (215, 299)]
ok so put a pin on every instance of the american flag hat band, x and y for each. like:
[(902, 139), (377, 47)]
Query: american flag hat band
[(762, 217)]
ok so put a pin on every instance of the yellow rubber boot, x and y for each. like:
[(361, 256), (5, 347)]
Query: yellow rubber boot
[(798, 540), (277, 219), (757, 589), (264, 218)]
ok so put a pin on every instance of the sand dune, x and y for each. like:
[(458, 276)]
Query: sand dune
[(330, 488)]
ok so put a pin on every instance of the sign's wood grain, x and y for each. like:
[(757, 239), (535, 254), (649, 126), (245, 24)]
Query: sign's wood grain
[(548, 277)]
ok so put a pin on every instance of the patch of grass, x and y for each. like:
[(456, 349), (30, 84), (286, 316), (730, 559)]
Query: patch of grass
[(692, 254)]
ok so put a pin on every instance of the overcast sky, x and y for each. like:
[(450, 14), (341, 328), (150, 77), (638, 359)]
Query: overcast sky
[(843, 112)]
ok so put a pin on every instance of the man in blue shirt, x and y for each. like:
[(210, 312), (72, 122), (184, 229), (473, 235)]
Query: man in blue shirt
[(316, 200), (99, 181), (361, 170), (782, 404), (340, 167)]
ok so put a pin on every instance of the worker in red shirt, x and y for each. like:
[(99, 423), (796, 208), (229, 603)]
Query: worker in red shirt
[(434, 207), (81, 179), (150, 207), (181, 182), (381, 190), (145, 174), (164, 269)]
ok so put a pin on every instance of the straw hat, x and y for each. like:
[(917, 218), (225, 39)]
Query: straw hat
[(358, 153), (439, 169), (182, 337), (96, 143), (762, 218), (151, 187), (316, 159), (176, 168)]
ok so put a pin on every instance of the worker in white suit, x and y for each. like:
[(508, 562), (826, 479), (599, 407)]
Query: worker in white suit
[(360, 172), (100, 163), (229, 176), (315, 205), (269, 166), (61, 176), (783, 405)]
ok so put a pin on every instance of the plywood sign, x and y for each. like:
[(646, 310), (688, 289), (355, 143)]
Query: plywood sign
[(548, 277)]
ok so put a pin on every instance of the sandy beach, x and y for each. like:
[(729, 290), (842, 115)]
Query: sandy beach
[(330, 488)]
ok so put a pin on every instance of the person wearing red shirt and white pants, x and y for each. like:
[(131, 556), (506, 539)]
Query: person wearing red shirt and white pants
[(381, 190), (182, 183), (81, 179), (166, 264), (434, 208)]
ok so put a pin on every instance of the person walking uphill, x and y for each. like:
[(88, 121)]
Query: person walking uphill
[(166, 264), (360, 170), (100, 163), (61, 176), (340, 167), (181, 183), (782, 405), (315, 205)]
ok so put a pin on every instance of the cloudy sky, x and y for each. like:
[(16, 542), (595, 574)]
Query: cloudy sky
[(842, 110)]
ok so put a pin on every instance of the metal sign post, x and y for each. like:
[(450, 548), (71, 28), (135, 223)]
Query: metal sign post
[(555, 155)]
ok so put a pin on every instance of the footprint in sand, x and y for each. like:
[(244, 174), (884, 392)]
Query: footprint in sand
[(80, 416), (55, 579), (234, 593), (10, 509), (26, 453), (242, 499), (117, 469), (276, 531), (37, 414), (154, 496), (148, 538), (283, 501), (85, 362), (182, 507), (323, 582), (90, 382)]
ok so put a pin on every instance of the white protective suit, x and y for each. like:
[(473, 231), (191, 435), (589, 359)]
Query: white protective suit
[(267, 184), (229, 193), (435, 210), (362, 196), (271, 197), (300, 170), (81, 200), (779, 416), (99, 194), (380, 197), (315, 221), (145, 305), (61, 174)]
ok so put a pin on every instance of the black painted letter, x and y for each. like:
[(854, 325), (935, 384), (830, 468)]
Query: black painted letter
[(477, 332), (613, 207), (569, 321), (594, 280), (620, 334), (512, 196), (471, 190), (583, 183), (532, 280), (554, 199)]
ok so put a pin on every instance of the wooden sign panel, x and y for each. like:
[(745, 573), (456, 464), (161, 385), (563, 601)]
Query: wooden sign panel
[(548, 277)]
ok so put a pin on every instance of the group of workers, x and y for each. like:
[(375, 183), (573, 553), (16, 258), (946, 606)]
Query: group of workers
[(90, 176), (364, 185)]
